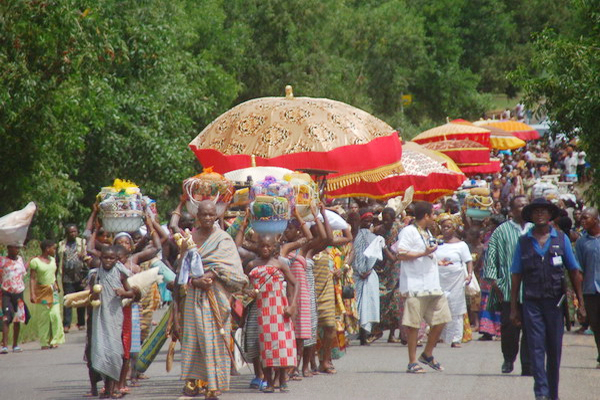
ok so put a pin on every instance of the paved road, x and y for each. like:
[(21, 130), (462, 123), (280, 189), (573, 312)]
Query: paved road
[(375, 372)]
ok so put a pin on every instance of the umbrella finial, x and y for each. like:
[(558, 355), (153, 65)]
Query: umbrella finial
[(447, 120), (289, 92), (253, 160)]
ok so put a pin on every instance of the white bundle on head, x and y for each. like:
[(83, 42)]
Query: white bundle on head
[(14, 226)]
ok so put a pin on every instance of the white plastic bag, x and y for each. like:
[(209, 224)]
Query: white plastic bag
[(472, 289), (14, 226)]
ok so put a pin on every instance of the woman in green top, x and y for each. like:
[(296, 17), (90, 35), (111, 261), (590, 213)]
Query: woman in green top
[(44, 293)]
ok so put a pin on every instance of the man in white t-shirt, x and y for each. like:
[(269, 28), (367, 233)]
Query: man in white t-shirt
[(571, 162), (420, 286)]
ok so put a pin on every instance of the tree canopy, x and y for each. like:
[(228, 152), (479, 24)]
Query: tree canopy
[(91, 91)]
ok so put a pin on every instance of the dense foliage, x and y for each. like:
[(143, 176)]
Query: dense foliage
[(93, 90), (567, 84)]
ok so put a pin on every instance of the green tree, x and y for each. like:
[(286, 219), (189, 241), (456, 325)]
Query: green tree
[(568, 85)]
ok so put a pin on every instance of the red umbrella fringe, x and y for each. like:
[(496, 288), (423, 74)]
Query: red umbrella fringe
[(368, 162)]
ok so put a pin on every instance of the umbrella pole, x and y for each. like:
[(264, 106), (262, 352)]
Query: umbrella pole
[(214, 307)]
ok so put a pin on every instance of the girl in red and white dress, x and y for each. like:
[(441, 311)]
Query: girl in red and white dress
[(276, 307)]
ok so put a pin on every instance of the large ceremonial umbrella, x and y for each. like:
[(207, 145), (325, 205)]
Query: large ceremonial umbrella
[(301, 133), (429, 178), (463, 152), (516, 128), (499, 138), (453, 131)]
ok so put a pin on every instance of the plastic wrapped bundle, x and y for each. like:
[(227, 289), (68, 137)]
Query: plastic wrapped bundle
[(306, 193), (208, 186), (14, 226), (272, 202)]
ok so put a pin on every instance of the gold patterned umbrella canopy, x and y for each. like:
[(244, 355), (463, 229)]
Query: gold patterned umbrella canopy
[(301, 133)]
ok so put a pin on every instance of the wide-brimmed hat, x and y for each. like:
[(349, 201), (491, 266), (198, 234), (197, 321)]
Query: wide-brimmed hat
[(540, 202)]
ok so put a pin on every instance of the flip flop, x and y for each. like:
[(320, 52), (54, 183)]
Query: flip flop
[(328, 370), (415, 368), (431, 362)]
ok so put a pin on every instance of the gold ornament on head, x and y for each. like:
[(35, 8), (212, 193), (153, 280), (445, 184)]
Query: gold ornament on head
[(289, 92)]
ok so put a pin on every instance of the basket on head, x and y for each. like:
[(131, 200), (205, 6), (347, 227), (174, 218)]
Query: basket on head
[(208, 186), (121, 207), (306, 193), (271, 206)]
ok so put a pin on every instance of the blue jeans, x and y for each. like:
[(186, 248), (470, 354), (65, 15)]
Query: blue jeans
[(67, 311), (544, 328)]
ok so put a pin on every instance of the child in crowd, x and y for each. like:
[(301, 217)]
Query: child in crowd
[(275, 311), (12, 272), (107, 346)]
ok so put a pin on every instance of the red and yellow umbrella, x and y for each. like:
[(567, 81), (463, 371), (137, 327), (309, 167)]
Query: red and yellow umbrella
[(453, 131), (301, 133), (463, 152), (515, 128), (499, 138), (428, 176)]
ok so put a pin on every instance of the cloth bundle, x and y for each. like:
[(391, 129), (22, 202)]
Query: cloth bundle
[(14, 226), (143, 281)]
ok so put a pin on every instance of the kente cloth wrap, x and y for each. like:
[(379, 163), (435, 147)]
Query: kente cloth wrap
[(275, 330), (204, 353), (324, 293), (302, 326)]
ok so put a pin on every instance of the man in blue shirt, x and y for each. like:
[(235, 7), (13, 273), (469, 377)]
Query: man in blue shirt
[(587, 250), (539, 261)]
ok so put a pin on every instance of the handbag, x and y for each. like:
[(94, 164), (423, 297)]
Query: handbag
[(472, 289), (347, 290)]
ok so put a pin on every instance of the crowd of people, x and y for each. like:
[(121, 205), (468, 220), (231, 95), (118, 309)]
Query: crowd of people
[(425, 272)]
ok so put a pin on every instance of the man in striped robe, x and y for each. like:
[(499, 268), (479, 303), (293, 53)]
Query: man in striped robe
[(205, 355)]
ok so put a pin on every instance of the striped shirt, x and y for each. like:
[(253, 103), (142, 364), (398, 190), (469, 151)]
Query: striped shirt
[(499, 257)]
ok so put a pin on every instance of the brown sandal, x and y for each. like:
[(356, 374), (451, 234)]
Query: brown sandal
[(190, 389)]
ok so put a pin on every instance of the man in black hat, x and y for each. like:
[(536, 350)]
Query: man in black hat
[(540, 258)]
